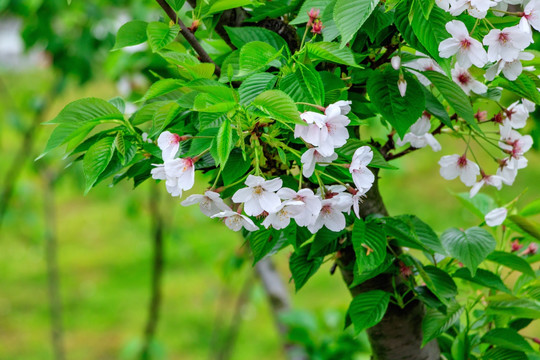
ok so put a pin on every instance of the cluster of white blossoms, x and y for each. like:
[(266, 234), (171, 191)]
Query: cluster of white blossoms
[(279, 205), (511, 142)]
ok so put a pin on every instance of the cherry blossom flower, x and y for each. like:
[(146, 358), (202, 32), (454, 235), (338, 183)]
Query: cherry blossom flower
[(326, 131), (493, 180), (506, 44), (311, 157), (308, 209), (363, 177), (531, 13), (344, 106), (259, 196), (331, 215), (453, 166), (475, 8), (236, 221), (210, 203), (443, 4), (282, 217), (396, 62), (516, 145), (531, 249), (516, 246), (419, 135), (169, 144), (507, 171), (496, 216), (529, 105), (357, 199), (468, 51), (511, 70), (424, 64), (517, 115), (340, 194), (464, 79), (180, 175)]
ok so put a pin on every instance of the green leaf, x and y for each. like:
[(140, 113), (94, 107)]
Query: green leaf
[(435, 108), (523, 86), (176, 4), (265, 242), (224, 142), (525, 226), (240, 36), (303, 16), (160, 34), (367, 309), (350, 15), (254, 85), (304, 85), (430, 32), (455, 96), (257, 56), (532, 208), (302, 268), (470, 247), (222, 5), (508, 339), (330, 30), (479, 205), (513, 306), (161, 87), (483, 277), (401, 20), (369, 242), (400, 112), (163, 117), (498, 353), (86, 110), (441, 283), (278, 106), (512, 261), (131, 33), (120, 144), (96, 160), (235, 167), (435, 323), (330, 51)]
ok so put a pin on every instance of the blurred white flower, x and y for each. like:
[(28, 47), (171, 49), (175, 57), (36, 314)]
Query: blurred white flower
[(464, 79), (236, 221), (309, 207), (363, 177), (210, 203), (169, 144), (419, 135), (496, 216), (311, 157), (506, 44)]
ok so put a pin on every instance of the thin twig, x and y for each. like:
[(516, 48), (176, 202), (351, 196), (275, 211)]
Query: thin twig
[(188, 35), (51, 249), (157, 274), (25, 151), (230, 339)]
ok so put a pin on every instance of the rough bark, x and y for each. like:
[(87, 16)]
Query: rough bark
[(399, 335)]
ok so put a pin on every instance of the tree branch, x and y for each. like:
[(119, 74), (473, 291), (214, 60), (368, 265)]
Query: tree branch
[(51, 249), (157, 275), (188, 35), (277, 294)]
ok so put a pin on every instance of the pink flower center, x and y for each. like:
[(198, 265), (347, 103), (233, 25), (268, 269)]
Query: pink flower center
[(462, 161), (464, 78), (175, 139), (503, 38), (326, 209), (465, 44)]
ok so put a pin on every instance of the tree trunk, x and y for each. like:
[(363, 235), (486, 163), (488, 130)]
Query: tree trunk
[(399, 335)]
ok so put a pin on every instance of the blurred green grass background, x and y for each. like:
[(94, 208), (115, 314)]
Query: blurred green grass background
[(105, 252)]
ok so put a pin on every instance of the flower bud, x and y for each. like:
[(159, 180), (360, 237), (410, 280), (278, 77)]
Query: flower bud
[(402, 86), (313, 15), (317, 27), (396, 62)]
